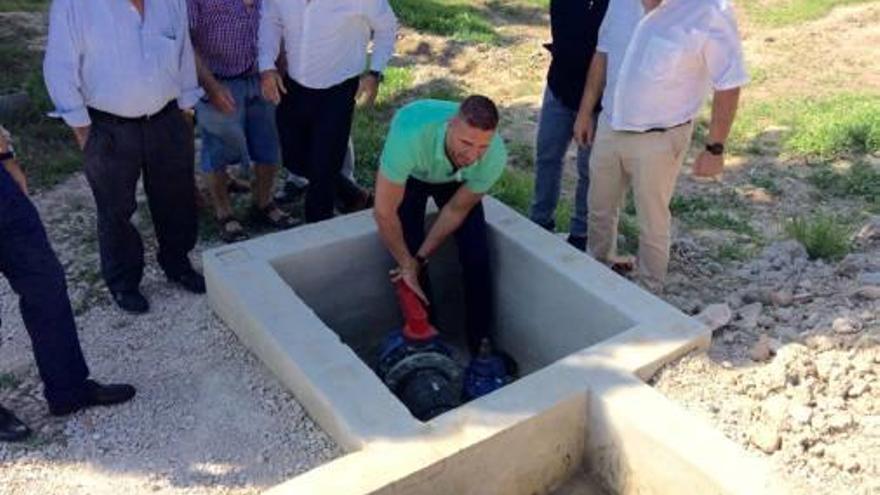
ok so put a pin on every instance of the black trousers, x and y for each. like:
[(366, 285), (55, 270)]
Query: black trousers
[(314, 125), (347, 191), (117, 152), (33, 271), (473, 251)]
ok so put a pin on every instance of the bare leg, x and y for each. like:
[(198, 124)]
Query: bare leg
[(265, 211), (264, 180), (219, 183)]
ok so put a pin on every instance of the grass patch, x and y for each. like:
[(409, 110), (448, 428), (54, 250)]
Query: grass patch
[(840, 125), (8, 380), (778, 13), (767, 183), (823, 236), (860, 180), (735, 251), (715, 213), (458, 19), (23, 5), (628, 228), (514, 189), (525, 10), (521, 155), (46, 146)]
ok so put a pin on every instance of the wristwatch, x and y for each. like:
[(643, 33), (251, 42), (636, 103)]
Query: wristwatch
[(715, 148), (7, 155)]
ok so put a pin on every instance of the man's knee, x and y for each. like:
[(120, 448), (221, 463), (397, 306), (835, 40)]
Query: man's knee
[(40, 275)]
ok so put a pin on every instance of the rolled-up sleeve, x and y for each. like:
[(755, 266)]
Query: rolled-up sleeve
[(494, 164), (603, 41), (723, 52), (190, 91), (61, 66), (270, 33), (384, 24)]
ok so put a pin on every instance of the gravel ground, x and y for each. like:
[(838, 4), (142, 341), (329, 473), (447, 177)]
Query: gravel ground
[(208, 417), (795, 377)]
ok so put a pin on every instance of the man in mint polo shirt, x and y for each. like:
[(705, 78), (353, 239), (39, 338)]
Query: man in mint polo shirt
[(451, 153)]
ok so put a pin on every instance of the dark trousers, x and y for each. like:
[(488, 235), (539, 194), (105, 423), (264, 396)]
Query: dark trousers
[(314, 125), (33, 271), (116, 153), (473, 251)]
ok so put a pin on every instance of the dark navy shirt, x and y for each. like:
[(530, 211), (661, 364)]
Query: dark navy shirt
[(574, 26)]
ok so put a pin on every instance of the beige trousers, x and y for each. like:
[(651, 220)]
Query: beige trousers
[(650, 162)]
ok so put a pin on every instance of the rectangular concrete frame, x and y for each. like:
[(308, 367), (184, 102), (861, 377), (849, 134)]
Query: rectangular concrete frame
[(585, 338)]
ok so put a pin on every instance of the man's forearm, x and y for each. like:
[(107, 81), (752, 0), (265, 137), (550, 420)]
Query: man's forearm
[(595, 82), (61, 67), (724, 105), (391, 232), (14, 170), (11, 164), (448, 221), (206, 77)]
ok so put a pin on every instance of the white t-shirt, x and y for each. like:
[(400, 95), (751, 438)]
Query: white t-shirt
[(661, 65)]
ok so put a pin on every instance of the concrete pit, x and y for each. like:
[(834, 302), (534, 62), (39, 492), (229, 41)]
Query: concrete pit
[(313, 302)]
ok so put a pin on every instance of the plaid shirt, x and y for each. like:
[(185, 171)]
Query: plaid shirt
[(224, 34)]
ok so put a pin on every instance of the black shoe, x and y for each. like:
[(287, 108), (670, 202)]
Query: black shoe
[(273, 217), (190, 280), (362, 200), (11, 428), (131, 301), (579, 242), (96, 395)]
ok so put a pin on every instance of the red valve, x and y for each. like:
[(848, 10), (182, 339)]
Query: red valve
[(416, 326)]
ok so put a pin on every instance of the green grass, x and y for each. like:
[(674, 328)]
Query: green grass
[(789, 12), (517, 185), (766, 182), (521, 155), (717, 213), (458, 19), (8, 380), (735, 251), (823, 236), (542, 4), (842, 125), (514, 189), (861, 180), (628, 227), (46, 146), (520, 10), (23, 5)]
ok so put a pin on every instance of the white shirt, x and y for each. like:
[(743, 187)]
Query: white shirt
[(326, 40), (102, 54), (662, 65)]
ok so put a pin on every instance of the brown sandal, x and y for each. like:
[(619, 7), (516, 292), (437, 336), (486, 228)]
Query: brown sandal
[(623, 266), (231, 230), (264, 216), (237, 186)]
